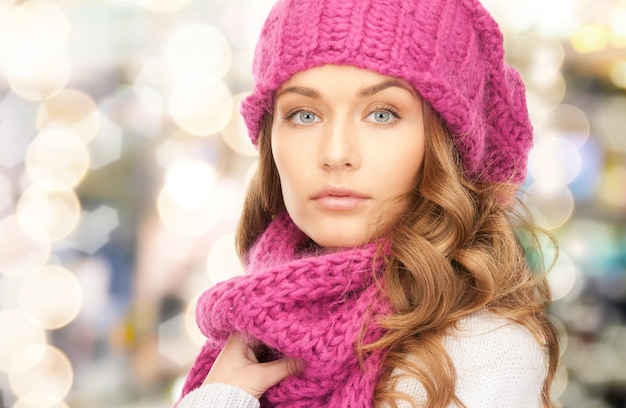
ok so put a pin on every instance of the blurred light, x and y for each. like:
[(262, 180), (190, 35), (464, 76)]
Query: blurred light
[(144, 117), (587, 315), (562, 277), (187, 222), (556, 16), (618, 20), (16, 129), (575, 395), (222, 261), (612, 188), (153, 73), (250, 173), (6, 195), (613, 285), (106, 147), (618, 42), (52, 295), (188, 203), (127, 3), (95, 276), (241, 67), (169, 152), (592, 245), (562, 333), (551, 207), (174, 343), (39, 400), (70, 109), (174, 250), (243, 22), (618, 74), (19, 330), (39, 79), (585, 185), (5, 8), (615, 337), (560, 382), (57, 159), (94, 229), (137, 109), (22, 31), (539, 111), (553, 16), (517, 18), (611, 123), (601, 364), (197, 49), (235, 134), (591, 38), (191, 324), (177, 389), (190, 182), (554, 162), (538, 55), (41, 369), (150, 98), (32, 30), (164, 6), (20, 254), (551, 90), (48, 215), (201, 106), (571, 123)]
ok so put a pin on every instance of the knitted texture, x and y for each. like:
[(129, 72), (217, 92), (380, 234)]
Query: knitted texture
[(218, 395), (450, 51), (311, 307)]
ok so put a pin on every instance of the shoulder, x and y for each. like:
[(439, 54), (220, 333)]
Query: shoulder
[(497, 362), (483, 338)]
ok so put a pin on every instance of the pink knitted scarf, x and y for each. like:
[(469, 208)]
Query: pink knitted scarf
[(303, 305)]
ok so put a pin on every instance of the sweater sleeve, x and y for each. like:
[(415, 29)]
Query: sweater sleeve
[(218, 396), (498, 364)]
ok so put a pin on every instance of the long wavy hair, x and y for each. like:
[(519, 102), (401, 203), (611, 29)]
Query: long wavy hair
[(460, 247)]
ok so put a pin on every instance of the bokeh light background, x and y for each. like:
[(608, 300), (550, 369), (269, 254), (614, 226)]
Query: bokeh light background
[(123, 163)]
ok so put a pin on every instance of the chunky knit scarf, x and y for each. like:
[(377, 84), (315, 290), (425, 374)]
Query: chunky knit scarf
[(308, 306)]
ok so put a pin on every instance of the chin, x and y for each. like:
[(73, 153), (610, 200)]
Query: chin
[(333, 240), (334, 232)]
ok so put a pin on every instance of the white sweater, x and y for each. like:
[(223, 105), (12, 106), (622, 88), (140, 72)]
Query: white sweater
[(498, 364)]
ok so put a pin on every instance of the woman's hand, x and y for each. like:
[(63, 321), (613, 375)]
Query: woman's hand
[(237, 365)]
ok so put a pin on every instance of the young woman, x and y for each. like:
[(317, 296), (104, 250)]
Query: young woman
[(387, 263)]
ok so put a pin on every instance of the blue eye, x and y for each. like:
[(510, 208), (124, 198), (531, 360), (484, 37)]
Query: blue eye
[(304, 117), (382, 116)]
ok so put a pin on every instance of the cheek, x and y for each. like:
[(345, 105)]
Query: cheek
[(403, 170), (289, 168)]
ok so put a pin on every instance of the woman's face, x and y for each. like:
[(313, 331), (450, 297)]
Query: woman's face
[(346, 141)]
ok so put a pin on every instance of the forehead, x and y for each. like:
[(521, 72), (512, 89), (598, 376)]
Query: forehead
[(343, 77)]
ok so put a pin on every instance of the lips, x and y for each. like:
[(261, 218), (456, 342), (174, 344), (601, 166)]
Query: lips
[(334, 198)]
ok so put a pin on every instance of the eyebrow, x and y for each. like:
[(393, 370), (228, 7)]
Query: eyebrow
[(363, 93), (311, 93), (374, 89)]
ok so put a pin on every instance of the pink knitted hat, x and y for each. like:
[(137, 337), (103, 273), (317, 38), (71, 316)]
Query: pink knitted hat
[(451, 51)]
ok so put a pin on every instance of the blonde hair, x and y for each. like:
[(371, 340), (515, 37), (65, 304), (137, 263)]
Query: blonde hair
[(453, 252)]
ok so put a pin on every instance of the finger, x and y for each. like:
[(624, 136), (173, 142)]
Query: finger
[(237, 347), (274, 372)]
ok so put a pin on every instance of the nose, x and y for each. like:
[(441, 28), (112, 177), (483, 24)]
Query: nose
[(340, 147)]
